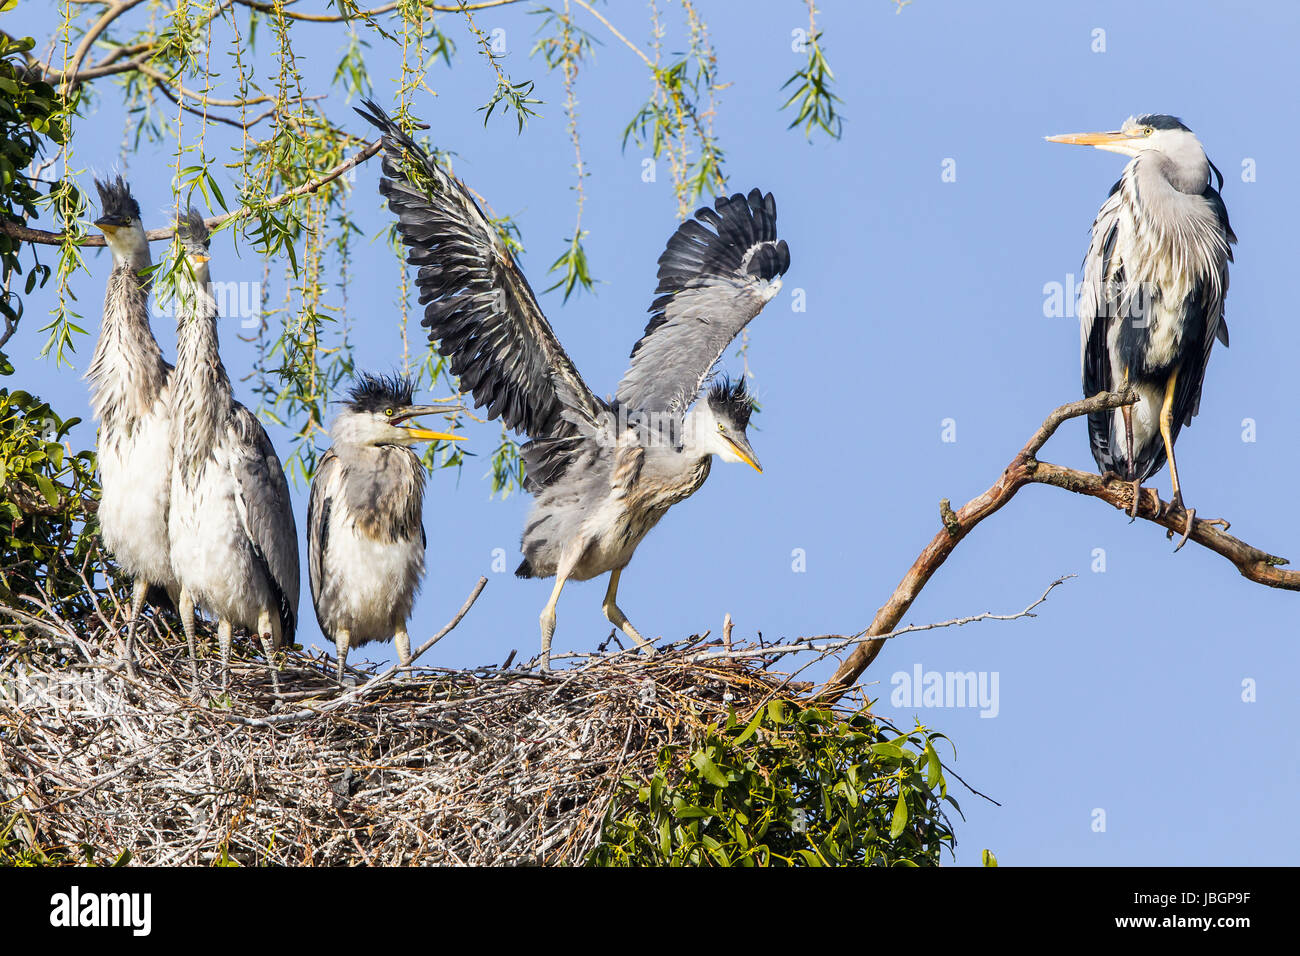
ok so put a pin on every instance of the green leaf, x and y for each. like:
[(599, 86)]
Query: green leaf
[(47, 490), (708, 768), (988, 859), (899, 821)]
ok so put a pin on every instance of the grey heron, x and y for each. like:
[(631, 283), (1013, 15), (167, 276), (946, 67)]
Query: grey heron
[(233, 541), (1154, 281), (130, 395), (602, 472), (365, 533)]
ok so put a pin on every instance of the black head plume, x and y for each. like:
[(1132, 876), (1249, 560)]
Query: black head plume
[(1161, 121), (192, 231), (117, 206), (731, 399), (378, 393)]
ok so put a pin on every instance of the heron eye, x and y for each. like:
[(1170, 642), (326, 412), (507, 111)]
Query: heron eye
[(1147, 130), (721, 427), (389, 413)]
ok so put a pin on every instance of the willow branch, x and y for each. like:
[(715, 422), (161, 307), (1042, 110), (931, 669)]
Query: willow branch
[(1254, 564), (41, 237)]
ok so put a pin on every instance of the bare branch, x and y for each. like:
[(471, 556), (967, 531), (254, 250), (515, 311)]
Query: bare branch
[(40, 236), (1254, 564)]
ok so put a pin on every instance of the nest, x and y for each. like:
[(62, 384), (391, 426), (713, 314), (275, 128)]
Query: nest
[(496, 765)]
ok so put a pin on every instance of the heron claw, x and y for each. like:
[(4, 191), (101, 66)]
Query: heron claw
[(1177, 503)]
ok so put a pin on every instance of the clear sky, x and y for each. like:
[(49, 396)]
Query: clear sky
[(1120, 706)]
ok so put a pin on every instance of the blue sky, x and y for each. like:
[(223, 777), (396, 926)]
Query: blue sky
[(925, 303)]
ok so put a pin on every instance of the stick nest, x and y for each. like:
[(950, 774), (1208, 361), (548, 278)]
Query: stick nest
[(491, 766)]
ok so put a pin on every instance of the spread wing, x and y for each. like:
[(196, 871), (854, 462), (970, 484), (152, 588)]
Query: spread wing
[(716, 274), (262, 500), (318, 524), (479, 309)]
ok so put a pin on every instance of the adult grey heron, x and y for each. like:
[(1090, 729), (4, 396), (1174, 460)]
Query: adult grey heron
[(365, 534), (130, 395), (1154, 281), (234, 544), (602, 472)]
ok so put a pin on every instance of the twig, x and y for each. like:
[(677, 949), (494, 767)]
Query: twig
[(1254, 564), (40, 236)]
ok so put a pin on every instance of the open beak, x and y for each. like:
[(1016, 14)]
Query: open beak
[(746, 452), (1116, 141), (423, 434)]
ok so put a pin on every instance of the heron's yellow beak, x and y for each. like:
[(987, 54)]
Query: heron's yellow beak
[(423, 434), (746, 453), (415, 433), (1092, 139)]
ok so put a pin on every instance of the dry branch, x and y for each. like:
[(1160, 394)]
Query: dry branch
[(40, 236), (430, 766), (1254, 564)]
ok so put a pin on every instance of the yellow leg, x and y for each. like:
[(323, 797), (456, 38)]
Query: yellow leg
[(618, 618), (1167, 433)]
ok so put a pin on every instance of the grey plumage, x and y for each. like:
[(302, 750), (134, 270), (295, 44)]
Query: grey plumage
[(1155, 279), (365, 537), (603, 473), (130, 396), (233, 539)]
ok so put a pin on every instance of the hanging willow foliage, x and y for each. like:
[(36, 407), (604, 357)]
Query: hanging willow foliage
[(217, 85)]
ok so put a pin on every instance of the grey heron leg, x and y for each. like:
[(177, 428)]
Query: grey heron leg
[(403, 642), (342, 642), (185, 607), (138, 592), (548, 619), (1127, 413), (618, 618), (223, 642), (268, 630)]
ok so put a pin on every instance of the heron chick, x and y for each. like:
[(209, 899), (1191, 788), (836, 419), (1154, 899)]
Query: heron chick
[(131, 397), (1154, 281), (234, 543), (603, 473), (365, 535)]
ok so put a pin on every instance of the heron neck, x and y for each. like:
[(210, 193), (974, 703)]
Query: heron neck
[(201, 394), (384, 489), (127, 372)]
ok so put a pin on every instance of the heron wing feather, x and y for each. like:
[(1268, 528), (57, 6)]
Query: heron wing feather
[(266, 511), (712, 282), (478, 307)]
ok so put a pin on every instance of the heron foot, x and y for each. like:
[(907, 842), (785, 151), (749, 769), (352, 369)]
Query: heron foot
[(268, 648), (1137, 500), (1191, 520)]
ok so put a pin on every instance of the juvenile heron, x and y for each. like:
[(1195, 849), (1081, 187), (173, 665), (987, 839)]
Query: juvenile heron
[(1155, 277), (130, 395), (234, 545), (365, 536), (603, 472)]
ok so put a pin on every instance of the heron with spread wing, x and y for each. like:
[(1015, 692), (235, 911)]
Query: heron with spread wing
[(1154, 281), (602, 473), (234, 543)]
